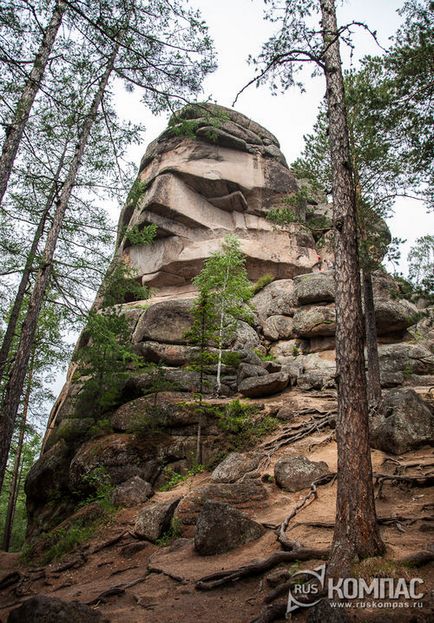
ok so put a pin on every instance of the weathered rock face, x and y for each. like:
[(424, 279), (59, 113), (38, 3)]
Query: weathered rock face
[(197, 190)]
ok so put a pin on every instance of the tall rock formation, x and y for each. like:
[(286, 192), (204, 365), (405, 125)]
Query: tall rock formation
[(211, 173)]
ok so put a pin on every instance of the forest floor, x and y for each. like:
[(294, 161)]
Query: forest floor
[(133, 581)]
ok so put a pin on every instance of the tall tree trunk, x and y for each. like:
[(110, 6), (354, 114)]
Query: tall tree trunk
[(13, 493), (15, 131), (373, 361), (8, 337), (18, 370), (356, 531)]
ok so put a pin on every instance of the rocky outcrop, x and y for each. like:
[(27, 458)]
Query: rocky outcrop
[(221, 527), (222, 176)]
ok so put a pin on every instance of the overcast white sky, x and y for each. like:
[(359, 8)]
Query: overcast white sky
[(238, 29)]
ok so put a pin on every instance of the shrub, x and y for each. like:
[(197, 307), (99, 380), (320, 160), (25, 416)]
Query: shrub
[(174, 532), (263, 281)]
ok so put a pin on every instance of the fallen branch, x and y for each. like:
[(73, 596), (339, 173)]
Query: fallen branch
[(172, 576), (420, 481)]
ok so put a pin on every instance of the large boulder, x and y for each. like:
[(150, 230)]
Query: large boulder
[(315, 288), (277, 327), (405, 423), (264, 385), (43, 609), (236, 466), (278, 298), (394, 316), (297, 472), (247, 371), (166, 354), (242, 494), (167, 322), (315, 321), (155, 519), (221, 527), (407, 358)]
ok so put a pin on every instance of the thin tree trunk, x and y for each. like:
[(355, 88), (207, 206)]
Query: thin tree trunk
[(220, 342), (18, 369), (8, 337), (13, 493), (373, 361), (15, 131), (356, 532)]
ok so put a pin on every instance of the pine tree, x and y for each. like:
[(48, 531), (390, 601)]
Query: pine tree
[(301, 39)]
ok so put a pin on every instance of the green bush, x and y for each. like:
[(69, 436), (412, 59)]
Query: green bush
[(263, 281), (282, 216), (174, 532), (175, 478)]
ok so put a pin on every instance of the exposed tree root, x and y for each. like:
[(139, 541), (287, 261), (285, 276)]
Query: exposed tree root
[(418, 559), (271, 613), (308, 499), (115, 591), (303, 430), (258, 567)]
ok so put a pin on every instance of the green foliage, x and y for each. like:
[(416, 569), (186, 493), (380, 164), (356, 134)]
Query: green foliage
[(99, 482), (282, 217), (137, 190), (175, 478), (295, 351), (151, 421), (421, 265), (62, 542), (100, 428), (195, 116), (265, 357), (263, 281), (244, 423), (173, 533), (107, 355), (30, 452), (223, 292), (140, 236)]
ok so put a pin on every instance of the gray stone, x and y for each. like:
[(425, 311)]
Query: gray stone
[(154, 519), (405, 423), (264, 385), (317, 379), (132, 492), (277, 327), (245, 337), (298, 472), (315, 321), (167, 354), (167, 322), (272, 366), (278, 298), (407, 358), (315, 288), (236, 466), (288, 348), (246, 371), (394, 316), (43, 609), (221, 528)]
